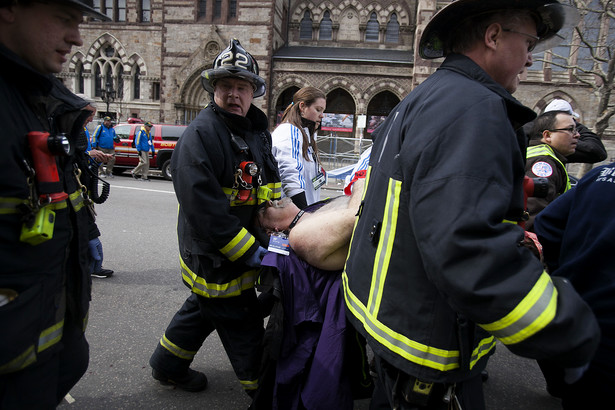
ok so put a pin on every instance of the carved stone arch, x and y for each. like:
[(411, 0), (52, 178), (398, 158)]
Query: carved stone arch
[(343, 83), (300, 11), (284, 84), (93, 51), (75, 59), (404, 16), (559, 94), (319, 11), (192, 94), (136, 60), (384, 85), (367, 11)]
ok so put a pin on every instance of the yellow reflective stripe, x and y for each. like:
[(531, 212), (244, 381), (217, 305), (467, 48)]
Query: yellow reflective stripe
[(276, 190), (231, 195), (176, 350), (218, 290), (508, 221), (9, 205), (419, 353), (531, 315), (20, 362), (545, 149), (385, 246), (50, 336), (238, 246), (484, 347), (76, 200), (249, 384)]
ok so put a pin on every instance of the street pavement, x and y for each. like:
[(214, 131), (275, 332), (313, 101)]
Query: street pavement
[(130, 311)]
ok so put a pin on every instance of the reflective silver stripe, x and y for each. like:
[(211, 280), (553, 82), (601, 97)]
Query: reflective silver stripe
[(531, 315), (239, 245), (218, 290), (20, 362), (9, 205), (176, 350), (50, 336)]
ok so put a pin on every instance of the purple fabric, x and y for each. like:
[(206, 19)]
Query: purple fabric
[(310, 368)]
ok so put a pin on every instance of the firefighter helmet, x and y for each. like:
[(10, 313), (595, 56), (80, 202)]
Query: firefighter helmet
[(234, 61)]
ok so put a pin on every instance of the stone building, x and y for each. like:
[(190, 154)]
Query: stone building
[(361, 53)]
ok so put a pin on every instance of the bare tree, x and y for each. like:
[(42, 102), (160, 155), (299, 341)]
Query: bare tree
[(588, 53)]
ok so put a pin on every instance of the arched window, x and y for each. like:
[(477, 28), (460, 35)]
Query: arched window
[(392, 33), (373, 28), (305, 29), (326, 32), (97, 81), (80, 80), (136, 84)]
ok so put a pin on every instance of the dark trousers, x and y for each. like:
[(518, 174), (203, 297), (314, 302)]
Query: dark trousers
[(391, 382), (44, 384), (239, 324)]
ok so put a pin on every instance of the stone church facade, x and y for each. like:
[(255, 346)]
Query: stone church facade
[(361, 53)]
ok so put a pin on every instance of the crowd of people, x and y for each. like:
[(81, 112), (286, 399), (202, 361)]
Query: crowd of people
[(425, 260)]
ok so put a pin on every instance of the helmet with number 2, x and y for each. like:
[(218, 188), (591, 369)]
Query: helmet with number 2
[(234, 61)]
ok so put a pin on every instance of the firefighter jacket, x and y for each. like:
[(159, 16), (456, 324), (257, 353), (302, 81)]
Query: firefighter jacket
[(216, 206), (544, 162), (435, 272), (50, 279)]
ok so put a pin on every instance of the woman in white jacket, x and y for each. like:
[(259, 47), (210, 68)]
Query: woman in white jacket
[(294, 147)]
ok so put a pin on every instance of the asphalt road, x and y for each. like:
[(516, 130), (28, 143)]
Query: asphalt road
[(130, 311)]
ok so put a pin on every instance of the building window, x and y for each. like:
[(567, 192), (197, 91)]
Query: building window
[(217, 8), (202, 11), (146, 11), (326, 32), (392, 33), (305, 28), (232, 8), (97, 81), (121, 10), (372, 32), (156, 91), (136, 83), (108, 8), (80, 80)]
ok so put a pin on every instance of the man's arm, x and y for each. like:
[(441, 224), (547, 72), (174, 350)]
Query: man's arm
[(322, 238), (590, 148)]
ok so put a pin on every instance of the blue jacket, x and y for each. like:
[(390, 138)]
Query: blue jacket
[(103, 137), (144, 141), (577, 232)]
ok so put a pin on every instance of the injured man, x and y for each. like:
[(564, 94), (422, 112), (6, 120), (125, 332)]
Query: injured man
[(319, 360)]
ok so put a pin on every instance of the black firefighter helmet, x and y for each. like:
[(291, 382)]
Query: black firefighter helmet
[(234, 61)]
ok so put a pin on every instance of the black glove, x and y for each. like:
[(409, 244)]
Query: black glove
[(299, 200)]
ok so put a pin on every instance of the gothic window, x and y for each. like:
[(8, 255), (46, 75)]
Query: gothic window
[(325, 32), (373, 28), (146, 11), (136, 83), (80, 80), (392, 33), (305, 29), (217, 8), (97, 81), (202, 12), (232, 8)]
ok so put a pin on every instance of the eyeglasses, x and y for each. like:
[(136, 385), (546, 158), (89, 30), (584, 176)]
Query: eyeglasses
[(532, 45), (571, 130)]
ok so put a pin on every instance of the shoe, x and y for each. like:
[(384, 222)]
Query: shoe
[(103, 273), (132, 174), (145, 180), (111, 176), (192, 381)]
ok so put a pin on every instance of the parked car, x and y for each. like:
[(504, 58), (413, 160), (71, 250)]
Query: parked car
[(165, 138)]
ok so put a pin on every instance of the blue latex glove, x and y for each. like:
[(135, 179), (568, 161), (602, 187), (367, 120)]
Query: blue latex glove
[(96, 255), (254, 261)]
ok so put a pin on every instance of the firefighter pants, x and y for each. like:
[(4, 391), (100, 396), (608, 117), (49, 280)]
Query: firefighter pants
[(44, 384), (239, 324)]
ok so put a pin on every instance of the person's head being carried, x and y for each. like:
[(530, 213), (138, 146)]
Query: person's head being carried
[(498, 35), (277, 216), (43, 33), (233, 80), (306, 111), (558, 130)]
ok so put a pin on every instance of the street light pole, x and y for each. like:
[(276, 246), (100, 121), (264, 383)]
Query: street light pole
[(108, 94)]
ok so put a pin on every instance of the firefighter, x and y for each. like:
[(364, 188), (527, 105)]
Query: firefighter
[(45, 216), (222, 170), (435, 272)]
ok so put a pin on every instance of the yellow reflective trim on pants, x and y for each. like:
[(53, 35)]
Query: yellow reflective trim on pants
[(239, 245), (249, 384), (532, 314), (176, 350), (9, 205), (218, 290), (20, 362), (385, 246), (50, 336)]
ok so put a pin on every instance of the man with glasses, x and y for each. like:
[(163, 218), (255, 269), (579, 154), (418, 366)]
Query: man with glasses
[(554, 137), (435, 274)]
